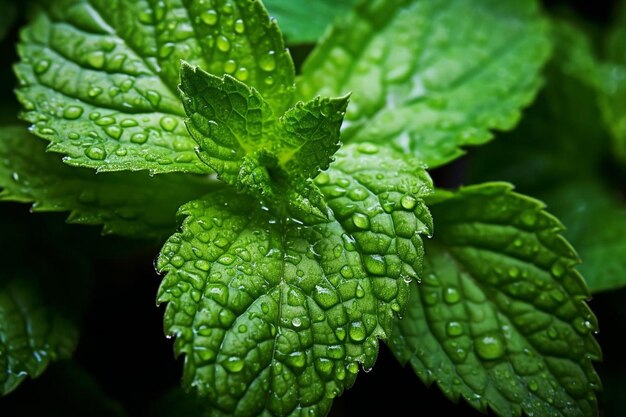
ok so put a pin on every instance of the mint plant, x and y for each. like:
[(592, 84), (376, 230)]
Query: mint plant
[(309, 229)]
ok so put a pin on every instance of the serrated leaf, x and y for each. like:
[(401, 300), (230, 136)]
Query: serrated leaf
[(98, 79), (595, 220), (305, 22), (275, 316), (560, 153), (129, 204), (500, 317), (32, 333), (249, 146), (431, 76)]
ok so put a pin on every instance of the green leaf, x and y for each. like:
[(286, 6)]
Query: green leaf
[(431, 76), (242, 139), (595, 220), (98, 78), (274, 316), (612, 81), (500, 317), (32, 332), (305, 22), (560, 150), (129, 204)]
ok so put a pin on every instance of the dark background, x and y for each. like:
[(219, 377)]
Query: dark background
[(124, 364)]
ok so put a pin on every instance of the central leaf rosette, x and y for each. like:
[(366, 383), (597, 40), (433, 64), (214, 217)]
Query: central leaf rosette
[(272, 157)]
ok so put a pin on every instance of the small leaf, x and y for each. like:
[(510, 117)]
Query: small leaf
[(499, 318), (98, 79), (305, 22), (129, 204), (240, 137), (275, 316), (431, 76)]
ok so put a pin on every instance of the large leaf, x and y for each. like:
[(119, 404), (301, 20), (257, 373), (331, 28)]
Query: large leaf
[(98, 78), (129, 204), (430, 76), (305, 21), (560, 151), (274, 316), (500, 317)]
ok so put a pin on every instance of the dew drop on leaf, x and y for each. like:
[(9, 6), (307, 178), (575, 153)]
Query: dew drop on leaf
[(95, 153), (489, 347), (209, 17), (73, 112)]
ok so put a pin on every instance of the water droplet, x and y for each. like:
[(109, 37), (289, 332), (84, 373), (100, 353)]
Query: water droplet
[(357, 331), (42, 66), (114, 131), (73, 135), (269, 80), (489, 347), (105, 121), (297, 360), (230, 66), (451, 295), (558, 269), (153, 97), (177, 261), (233, 364), (223, 44), (367, 148), (202, 265), (408, 202), (513, 272), (358, 194), (128, 123), (335, 352), (73, 112), (454, 328), (242, 328), (324, 366), (346, 271), (96, 59), (265, 308), (139, 138), (242, 74), (267, 62), (296, 322), (361, 221), (360, 293), (240, 27), (322, 179), (126, 85), (94, 92), (168, 123), (353, 368), (209, 17), (375, 264), (96, 153), (533, 386), (340, 332)]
